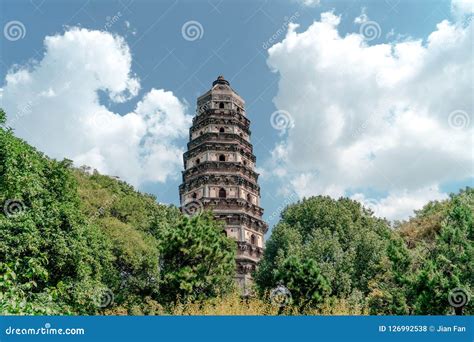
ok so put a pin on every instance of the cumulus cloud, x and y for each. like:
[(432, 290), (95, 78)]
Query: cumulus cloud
[(309, 3), (394, 117), (362, 18), (461, 8), (54, 103), (401, 204)]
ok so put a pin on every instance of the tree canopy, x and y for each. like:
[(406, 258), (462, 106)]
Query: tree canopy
[(337, 249), (73, 241)]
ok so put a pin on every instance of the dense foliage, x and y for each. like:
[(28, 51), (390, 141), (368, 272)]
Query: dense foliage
[(334, 243), (443, 266), (197, 270), (416, 268), (73, 241)]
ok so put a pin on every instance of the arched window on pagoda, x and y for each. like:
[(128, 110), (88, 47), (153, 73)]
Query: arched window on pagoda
[(221, 130), (222, 193), (222, 157), (198, 161), (253, 239), (194, 195), (249, 198), (221, 105)]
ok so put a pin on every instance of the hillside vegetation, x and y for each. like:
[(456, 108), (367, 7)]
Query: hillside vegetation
[(73, 241), (325, 250)]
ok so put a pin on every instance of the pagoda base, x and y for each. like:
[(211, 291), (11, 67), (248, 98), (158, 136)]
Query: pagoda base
[(243, 276)]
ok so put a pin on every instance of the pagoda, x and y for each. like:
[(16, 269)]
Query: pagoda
[(219, 174)]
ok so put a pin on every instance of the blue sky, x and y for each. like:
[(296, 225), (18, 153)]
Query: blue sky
[(234, 41)]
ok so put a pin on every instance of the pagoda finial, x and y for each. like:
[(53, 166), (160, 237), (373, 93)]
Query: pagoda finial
[(220, 80)]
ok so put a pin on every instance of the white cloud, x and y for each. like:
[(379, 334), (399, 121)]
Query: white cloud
[(54, 104), (401, 204), (374, 116), (461, 8), (362, 18), (309, 3)]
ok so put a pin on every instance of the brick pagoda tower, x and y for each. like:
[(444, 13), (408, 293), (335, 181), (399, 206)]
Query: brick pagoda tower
[(219, 173)]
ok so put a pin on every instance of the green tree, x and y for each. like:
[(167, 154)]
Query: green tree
[(449, 264), (344, 240), (388, 289), (303, 279), (133, 223), (285, 241), (48, 251), (3, 117), (197, 260)]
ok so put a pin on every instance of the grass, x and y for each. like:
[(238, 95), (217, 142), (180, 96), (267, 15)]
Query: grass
[(234, 305)]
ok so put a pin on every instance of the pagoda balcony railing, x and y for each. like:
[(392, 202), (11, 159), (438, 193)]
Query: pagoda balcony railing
[(246, 249), (235, 218), (219, 113), (219, 120), (219, 137), (218, 147), (219, 205), (243, 219), (216, 179), (217, 166)]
